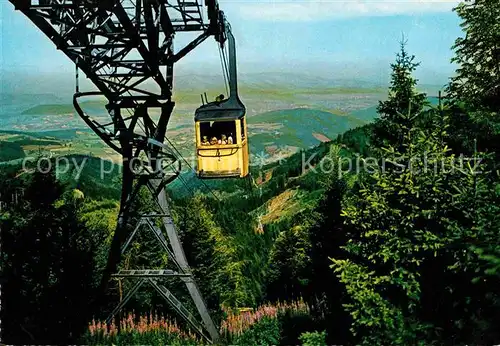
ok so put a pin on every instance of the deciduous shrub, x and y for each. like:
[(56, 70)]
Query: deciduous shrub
[(313, 339)]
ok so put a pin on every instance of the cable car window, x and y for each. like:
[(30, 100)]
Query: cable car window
[(217, 132)]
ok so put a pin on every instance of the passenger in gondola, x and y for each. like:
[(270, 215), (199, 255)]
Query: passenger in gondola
[(205, 141), (219, 98), (230, 139), (213, 141), (224, 139)]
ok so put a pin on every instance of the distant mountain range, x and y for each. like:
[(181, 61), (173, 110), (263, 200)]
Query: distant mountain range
[(282, 80), (16, 99), (62, 86), (270, 80)]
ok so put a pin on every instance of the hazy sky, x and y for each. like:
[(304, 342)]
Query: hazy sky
[(348, 39)]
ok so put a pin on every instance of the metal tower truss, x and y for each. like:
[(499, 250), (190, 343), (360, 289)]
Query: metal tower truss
[(155, 277), (126, 48)]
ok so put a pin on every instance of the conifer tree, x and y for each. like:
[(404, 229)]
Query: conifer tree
[(401, 218), (475, 122), (395, 222), (477, 80), (48, 262), (421, 262), (402, 96), (474, 91)]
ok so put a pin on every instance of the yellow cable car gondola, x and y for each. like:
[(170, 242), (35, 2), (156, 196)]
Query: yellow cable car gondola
[(221, 130)]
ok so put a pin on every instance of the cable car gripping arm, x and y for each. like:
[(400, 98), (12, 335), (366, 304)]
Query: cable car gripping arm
[(222, 34)]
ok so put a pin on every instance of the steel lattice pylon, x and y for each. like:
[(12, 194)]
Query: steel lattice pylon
[(125, 47)]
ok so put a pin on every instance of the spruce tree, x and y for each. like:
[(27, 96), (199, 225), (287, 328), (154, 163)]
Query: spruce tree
[(421, 262), (475, 98), (474, 91), (477, 80), (402, 95), (396, 220)]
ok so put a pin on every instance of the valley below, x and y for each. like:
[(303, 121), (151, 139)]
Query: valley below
[(282, 120)]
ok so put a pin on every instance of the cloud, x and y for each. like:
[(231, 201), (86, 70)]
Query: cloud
[(311, 10)]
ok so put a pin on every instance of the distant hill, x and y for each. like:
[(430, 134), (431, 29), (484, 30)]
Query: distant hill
[(32, 88), (299, 128), (96, 107), (367, 114), (50, 109), (271, 80), (286, 80), (279, 132), (10, 99), (56, 134), (92, 181), (303, 80)]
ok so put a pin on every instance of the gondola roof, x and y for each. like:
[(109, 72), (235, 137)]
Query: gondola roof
[(214, 111)]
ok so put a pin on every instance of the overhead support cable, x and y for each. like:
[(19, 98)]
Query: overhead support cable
[(224, 71)]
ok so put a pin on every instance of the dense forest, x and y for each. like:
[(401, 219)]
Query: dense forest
[(402, 248)]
